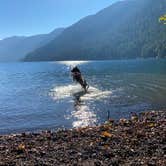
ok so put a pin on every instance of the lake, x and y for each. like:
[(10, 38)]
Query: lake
[(42, 95)]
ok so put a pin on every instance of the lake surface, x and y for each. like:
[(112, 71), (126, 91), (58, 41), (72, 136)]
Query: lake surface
[(42, 95)]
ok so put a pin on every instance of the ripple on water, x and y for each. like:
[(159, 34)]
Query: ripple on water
[(83, 112)]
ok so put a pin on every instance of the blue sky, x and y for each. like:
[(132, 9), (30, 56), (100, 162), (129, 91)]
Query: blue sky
[(28, 17)]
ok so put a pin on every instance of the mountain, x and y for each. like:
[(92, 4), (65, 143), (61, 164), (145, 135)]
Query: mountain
[(126, 29), (15, 48)]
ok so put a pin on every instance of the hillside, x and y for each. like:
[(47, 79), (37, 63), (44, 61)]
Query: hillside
[(126, 29), (15, 48)]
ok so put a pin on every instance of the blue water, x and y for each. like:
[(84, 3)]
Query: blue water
[(42, 95)]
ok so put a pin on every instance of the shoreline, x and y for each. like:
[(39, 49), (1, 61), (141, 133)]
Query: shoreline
[(136, 141)]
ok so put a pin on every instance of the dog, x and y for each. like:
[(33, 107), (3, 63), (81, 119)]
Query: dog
[(79, 78)]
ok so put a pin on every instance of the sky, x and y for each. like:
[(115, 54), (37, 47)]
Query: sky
[(30, 17)]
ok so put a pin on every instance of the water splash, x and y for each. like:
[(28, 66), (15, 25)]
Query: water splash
[(62, 92), (82, 113)]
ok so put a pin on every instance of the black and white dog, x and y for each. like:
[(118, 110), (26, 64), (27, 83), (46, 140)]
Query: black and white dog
[(79, 78)]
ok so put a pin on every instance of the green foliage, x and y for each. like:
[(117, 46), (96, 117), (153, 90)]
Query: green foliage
[(163, 19)]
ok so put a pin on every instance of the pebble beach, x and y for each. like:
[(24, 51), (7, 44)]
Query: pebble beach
[(140, 140)]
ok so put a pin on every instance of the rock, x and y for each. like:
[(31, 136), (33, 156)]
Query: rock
[(136, 141)]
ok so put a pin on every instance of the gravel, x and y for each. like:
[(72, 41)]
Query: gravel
[(140, 140)]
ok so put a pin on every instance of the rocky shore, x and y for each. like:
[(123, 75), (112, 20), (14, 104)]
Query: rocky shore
[(140, 140)]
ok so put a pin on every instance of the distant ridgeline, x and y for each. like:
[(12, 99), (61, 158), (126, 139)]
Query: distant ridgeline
[(126, 29), (17, 47)]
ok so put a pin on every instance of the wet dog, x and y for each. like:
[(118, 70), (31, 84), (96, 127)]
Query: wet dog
[(79, 78)]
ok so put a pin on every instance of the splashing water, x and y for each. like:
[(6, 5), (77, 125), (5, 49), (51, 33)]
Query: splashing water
[(82, 113), (67, 91), (50, 100)]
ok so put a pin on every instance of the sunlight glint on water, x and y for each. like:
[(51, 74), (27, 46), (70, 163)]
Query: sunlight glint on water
[(83, 115), (42, 95)]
